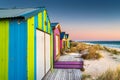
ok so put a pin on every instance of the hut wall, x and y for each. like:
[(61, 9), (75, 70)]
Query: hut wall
[(56, 37), (4, 49), (18, 47)]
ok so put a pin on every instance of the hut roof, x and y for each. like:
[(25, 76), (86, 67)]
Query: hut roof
[(62, 34), (56, 25), (19, 12), (67, 35), (53, 25)]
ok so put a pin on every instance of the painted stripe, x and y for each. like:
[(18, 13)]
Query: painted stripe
[(51, 51), (30, 45), (4, 43), (35, 27), (45, 21), (17, 51), (49, 28), (40, 20), (47, 24)]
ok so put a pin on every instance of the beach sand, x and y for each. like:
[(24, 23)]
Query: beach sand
[(97, 67)]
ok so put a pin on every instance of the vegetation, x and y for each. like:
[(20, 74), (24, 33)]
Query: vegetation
[(86, 77), (110, 75), (113, 51), (92, 50)]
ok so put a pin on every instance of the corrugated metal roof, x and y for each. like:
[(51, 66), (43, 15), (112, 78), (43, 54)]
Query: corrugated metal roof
[(24, 12)]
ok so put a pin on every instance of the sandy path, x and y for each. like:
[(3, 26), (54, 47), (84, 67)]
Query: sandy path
[(97, 67)]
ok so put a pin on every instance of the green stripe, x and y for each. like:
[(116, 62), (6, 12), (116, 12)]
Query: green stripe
[(30, 51), (4, 37)]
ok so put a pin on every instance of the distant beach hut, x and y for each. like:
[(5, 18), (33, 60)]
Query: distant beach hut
[(62, 40), (56, 34), (67, 41), (24, 44)]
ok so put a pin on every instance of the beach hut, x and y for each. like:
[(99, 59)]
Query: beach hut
[(56, 34), (25, 39), (67, 41), (62, 40)]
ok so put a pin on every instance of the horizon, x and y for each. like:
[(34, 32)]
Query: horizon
[(82, 19)]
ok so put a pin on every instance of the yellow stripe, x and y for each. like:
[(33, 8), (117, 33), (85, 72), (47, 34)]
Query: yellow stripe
[(40, 20), (30, 50), (4, 43), (45, 24), (49, 26)]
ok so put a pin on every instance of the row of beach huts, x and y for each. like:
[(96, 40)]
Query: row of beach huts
[(29, 44)]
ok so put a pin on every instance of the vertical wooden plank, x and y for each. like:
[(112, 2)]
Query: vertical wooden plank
[(47, 47), (22, 52), (30, 45), (4, 43), (17, 50), (51, 51), (45, 23), (49, 28), (40, 54), (11, 51), (40, 20), (35, 49), (43, 20)]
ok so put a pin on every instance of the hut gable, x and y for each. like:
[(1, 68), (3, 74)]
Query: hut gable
[(40, 16)]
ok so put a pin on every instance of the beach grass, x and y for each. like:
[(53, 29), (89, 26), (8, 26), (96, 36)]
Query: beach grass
[(86, 76), (110, 75)]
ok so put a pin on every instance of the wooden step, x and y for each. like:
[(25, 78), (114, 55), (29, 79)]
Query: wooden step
[(68, 63), (68, 66)]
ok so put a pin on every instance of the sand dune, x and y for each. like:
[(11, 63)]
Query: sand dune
[(97, 67)]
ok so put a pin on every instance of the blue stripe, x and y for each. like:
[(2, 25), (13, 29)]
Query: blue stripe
[(35, 26), (18, 51), (11, 70)]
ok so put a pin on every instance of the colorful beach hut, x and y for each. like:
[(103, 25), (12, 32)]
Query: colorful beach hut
[(62, 40), (67, 41), (25, 39), (56, 39)]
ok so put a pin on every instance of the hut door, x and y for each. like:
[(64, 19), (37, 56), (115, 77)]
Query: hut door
[(47, 51), (57, 45), (40, 54)]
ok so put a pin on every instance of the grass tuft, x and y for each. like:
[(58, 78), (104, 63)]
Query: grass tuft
[(110, 75)]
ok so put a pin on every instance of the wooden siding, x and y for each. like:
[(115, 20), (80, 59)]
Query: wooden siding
[(4, 43), (40, 20), (30, 47)]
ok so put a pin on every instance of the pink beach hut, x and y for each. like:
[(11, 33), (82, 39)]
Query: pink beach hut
[(56, 40)]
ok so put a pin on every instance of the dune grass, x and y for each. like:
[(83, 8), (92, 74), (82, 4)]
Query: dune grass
[(86, 76), (92, 50), (113, 51), (110, 75)]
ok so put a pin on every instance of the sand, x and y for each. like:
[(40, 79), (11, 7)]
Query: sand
[(97, 67)]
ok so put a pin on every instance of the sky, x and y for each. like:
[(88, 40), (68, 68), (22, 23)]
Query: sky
[(81, 19)]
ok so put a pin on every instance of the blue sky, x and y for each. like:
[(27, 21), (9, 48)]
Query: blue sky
[(89, 19)]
